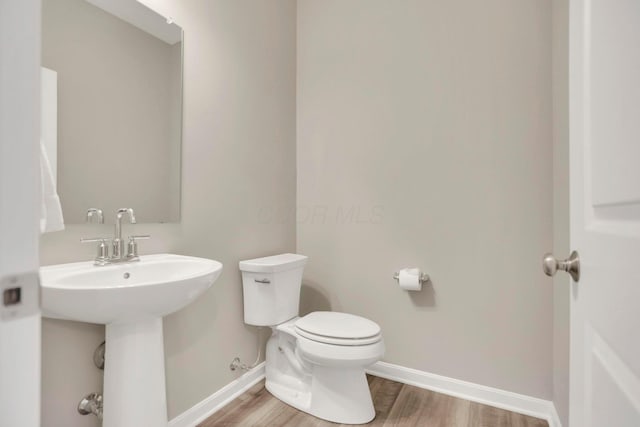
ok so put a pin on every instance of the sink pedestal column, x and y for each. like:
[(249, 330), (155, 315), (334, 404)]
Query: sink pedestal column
[(134, 381)]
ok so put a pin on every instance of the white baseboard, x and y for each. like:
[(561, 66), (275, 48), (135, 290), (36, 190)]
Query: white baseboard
[(554, 418), (510, 401), (203, 410)]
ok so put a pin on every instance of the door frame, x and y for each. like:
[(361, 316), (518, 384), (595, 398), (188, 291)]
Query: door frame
[(20, 342)]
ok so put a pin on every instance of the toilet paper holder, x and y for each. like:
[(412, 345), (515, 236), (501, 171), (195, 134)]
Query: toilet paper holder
[(424, 277)]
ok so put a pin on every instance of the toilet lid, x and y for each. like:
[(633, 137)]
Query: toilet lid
[(339, 326)]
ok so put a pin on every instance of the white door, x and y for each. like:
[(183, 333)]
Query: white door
[(605, 212), (19, 212)]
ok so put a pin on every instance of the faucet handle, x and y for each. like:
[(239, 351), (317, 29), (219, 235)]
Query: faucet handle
[(102, 256), (93, 239), (132, 246), (97, 213)]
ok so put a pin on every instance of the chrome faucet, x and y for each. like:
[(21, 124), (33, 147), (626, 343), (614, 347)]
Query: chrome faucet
[(117, 247), (117, 243)]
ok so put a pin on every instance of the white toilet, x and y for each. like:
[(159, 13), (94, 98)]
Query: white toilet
[(314, 363)]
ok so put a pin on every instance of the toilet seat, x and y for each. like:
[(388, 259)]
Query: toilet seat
[(336, 328)]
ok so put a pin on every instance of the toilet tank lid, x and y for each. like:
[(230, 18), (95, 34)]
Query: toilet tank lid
[(273, 264)]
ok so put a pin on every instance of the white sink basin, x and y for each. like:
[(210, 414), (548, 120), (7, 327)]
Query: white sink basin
[(130, 299), (155, 286)]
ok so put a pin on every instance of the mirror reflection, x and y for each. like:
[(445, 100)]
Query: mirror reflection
[(112, 107)]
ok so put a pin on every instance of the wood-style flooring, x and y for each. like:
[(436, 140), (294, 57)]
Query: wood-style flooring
[(396, 405)]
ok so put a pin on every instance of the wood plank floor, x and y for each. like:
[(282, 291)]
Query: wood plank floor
[(396, 405)]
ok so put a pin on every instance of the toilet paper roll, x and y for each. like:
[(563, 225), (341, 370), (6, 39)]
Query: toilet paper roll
[(409, 279)]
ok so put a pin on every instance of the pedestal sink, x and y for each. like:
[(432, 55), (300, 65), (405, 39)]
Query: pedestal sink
[(130, 299)]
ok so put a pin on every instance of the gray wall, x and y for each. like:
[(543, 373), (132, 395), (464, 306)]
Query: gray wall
[(118, 99), (424, 138), (561, 248), (238, 157)]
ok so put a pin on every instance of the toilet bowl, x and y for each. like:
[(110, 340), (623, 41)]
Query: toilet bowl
[(314, 363)]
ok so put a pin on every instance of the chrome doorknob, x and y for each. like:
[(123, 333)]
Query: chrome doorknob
[(551, 265)]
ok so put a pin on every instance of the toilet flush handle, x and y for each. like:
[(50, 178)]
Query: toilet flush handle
[(265, 280)]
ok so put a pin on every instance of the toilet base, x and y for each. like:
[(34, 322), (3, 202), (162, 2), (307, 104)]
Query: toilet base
[(327, 381), (339, 395)]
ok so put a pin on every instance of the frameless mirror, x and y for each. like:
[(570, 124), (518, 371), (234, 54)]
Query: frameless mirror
[(112, 107)]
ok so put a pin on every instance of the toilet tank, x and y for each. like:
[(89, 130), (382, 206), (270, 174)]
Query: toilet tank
[(271, 288)]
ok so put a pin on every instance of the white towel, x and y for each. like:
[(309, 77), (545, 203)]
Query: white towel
[(51, 211)]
